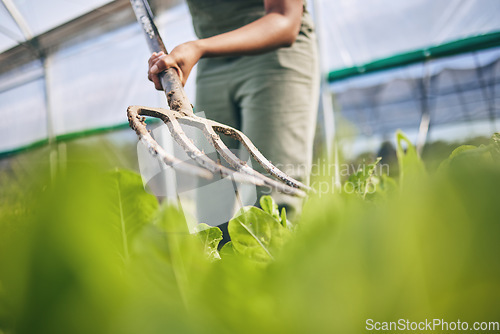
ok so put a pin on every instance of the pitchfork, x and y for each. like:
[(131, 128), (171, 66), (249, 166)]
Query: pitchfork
[(181, 112)]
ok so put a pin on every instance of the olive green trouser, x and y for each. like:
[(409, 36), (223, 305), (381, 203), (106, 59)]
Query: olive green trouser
[(272, 98)]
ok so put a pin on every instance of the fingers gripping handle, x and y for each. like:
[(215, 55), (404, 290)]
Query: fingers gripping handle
[(176, 97)]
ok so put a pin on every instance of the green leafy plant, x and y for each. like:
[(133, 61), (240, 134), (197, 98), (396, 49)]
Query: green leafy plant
[(430, 251), (411, 167), (130, 207), (257, 234), (210, 237), (268, 205), (363, 181)]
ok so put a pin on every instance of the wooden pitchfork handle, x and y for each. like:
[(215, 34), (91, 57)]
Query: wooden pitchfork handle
[(172, 86)]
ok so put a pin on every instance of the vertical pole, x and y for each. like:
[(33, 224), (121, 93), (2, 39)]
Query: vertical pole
[(45, 61), (18, 18), (425, 120), (488, 99), (463, 102), (53, 146), (326, 103)]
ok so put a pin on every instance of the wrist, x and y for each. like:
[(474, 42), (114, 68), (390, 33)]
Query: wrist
[(203, 46), (198, 47)]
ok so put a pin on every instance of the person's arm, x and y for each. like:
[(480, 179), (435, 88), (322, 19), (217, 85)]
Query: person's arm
[(278, 28)]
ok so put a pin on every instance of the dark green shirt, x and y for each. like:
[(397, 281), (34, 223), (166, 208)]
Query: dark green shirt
[(213, 17)]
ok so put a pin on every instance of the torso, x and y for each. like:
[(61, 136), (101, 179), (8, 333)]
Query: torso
[(213, 17)]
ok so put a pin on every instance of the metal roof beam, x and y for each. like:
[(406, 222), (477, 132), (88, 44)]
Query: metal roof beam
[(18, 18), (109, 17)]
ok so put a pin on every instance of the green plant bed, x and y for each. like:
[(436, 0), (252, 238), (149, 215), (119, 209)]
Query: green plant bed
[(92, 252)]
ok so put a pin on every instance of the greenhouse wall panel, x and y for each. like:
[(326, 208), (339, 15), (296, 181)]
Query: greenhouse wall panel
[(23, 115)]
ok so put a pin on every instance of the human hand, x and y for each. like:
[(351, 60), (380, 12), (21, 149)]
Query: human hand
[(182, 59)]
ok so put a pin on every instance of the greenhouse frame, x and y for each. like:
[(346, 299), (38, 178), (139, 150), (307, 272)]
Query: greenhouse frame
[(426, 71)]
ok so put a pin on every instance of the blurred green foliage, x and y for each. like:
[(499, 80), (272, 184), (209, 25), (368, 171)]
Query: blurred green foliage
[(92, 252)]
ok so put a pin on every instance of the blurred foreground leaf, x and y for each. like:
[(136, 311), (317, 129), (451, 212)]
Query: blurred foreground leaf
[(130, 207), (429, 252), (411, 167)]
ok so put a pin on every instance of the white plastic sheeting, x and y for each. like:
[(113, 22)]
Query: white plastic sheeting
[(91, 83), (88, 81), (10, 35), (433, 67), (45, 15), (23, 111), (23, 120), (461, 95), (40, 17), (355, 32)]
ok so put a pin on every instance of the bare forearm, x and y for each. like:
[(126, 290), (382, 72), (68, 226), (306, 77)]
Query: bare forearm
[(278, 28), (270, 32)]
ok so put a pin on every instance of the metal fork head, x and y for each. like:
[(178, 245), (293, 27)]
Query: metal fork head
[(241, 172)]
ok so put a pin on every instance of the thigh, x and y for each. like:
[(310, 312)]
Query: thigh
[(279, 109), (214, 94), (215, 199)]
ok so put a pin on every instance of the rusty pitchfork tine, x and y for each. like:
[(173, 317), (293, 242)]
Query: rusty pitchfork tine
[(181, 109), (210, 129), (171, 119), (208, 126), (255, 153)]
